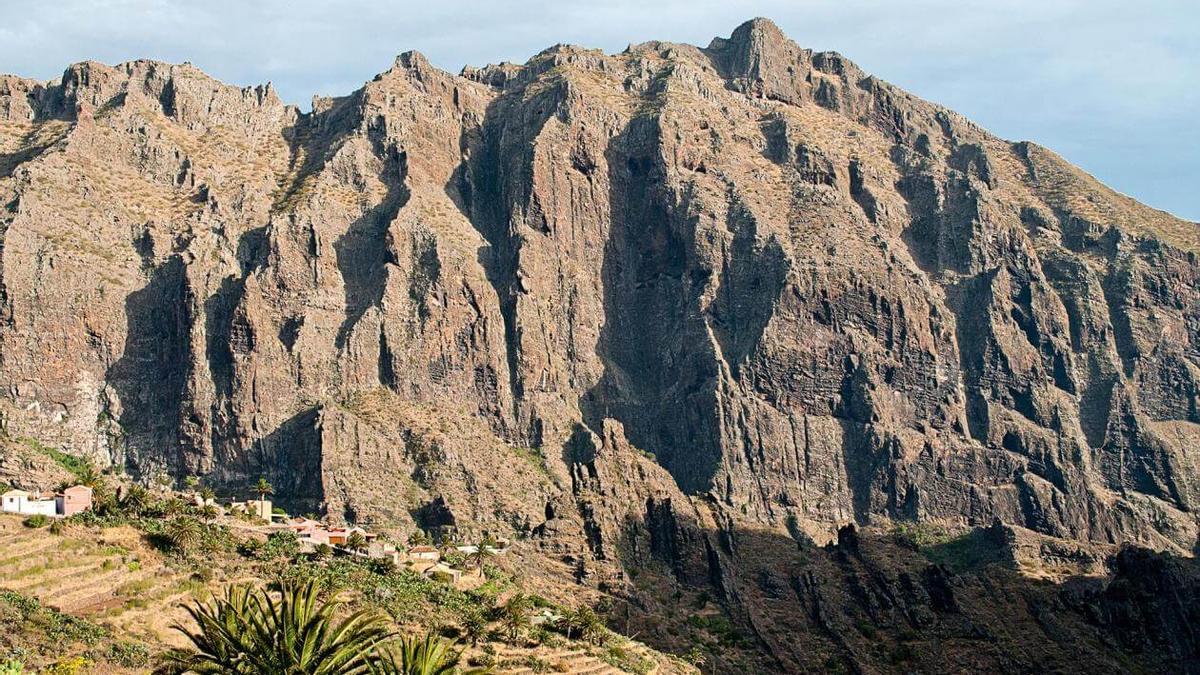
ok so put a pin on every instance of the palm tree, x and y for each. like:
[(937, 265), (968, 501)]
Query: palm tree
[(87, 475), (172, 506), (251, 631), (207, 494), (263, 488), (221, 640), (209, 512), (589, 624), (185, 533), (473, 621), (323, 552), (135, 500), (356, 541), (430, 655), (514, 616), (191, 483), (485, 549)]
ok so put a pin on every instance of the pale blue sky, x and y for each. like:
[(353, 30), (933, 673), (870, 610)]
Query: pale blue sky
[(1114, 86)]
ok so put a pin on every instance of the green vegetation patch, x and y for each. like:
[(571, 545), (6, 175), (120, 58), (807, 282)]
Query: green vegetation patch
[(79, 467), (534, 456), (968, 552), (403, 594), (20, 612), (621, 657), (956, 551)]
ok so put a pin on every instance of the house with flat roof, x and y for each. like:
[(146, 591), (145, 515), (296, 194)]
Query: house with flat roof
[(424, 552), (10, 502), (29, 503), (338, 536), (75, 499), (260, 509)]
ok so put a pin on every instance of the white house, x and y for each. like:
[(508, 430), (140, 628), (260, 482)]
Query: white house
[(470, 549), (11, 501), (259, 508), (29, 504), (424, 552)]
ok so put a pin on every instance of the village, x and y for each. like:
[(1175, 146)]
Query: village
[(315, 536), (260, 517)]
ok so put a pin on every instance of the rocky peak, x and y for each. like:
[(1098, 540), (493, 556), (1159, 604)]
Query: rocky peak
[(762, 62)]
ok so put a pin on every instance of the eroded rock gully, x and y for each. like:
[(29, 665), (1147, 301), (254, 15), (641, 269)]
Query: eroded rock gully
[(636, 307)]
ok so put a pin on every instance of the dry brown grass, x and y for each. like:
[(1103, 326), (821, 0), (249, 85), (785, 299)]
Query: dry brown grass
[(1072, 190)]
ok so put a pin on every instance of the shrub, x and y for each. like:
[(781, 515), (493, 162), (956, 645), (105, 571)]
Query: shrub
[(68, 666), (36, 521), (473, 621), (382, 566), (917, 536), (79, 467), (539, 634), (323, 552), (250, 548), (484, 660), (284, 544), (128, 654), (58, 627), (902, 653), (622, 658)]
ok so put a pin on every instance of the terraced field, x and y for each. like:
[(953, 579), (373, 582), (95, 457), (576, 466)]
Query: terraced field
[(112, 578), (107, 576), (575, 661)]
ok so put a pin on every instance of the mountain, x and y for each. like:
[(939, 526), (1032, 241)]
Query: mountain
[(677, 313)]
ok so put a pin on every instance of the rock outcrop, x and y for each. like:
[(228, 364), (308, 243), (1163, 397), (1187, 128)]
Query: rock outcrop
[(617, 300)]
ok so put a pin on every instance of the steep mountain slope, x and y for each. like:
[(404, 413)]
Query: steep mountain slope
[(806, 297)]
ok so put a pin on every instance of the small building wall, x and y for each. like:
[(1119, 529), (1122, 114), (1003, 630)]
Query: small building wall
[(423, 553), (75, 500), (317, 536), (12, 501), (43, 507), (253, 507)]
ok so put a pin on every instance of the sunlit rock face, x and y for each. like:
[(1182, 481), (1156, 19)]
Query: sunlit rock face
[(747, 279)]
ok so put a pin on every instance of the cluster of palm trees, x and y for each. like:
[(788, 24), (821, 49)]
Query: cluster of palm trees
[(515, 620), (290, 629), (584, 623)]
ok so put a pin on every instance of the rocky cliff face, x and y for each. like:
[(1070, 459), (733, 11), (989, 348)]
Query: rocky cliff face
[(748, 283)]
